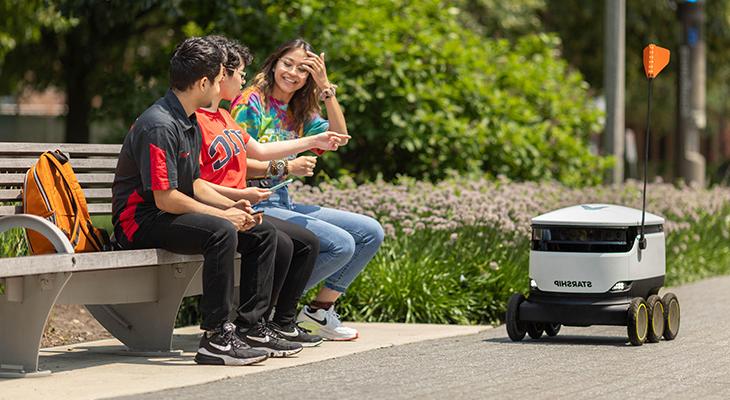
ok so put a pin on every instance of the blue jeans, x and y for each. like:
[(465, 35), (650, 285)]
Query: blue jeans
[(348, 241)]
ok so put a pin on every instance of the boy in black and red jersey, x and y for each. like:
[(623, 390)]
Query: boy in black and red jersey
[(159, 201)]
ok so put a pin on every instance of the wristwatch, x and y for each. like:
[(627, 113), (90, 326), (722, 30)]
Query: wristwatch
[(326, 93), (278, 168)]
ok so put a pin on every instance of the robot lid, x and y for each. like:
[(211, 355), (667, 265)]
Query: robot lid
[(607, 215)]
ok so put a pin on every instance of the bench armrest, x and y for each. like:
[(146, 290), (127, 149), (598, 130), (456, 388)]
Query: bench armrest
[(50, 231)]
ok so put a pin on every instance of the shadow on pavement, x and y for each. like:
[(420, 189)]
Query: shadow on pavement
[(571, 340), (79, 357)]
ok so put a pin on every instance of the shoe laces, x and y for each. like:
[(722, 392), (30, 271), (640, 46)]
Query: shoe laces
[(302, 329), (331, 312), (265, 329), (230, 336)]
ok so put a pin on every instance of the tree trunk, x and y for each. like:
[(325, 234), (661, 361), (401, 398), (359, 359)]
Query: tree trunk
[(79, 110), (79, 59)]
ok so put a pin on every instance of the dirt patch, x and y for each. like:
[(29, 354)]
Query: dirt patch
[(71, 324)]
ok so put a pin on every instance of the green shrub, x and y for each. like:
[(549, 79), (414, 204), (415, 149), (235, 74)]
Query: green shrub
[(425, 91), (464, 277), (12, 243), (424, 95), (700, 250), (188, 313)]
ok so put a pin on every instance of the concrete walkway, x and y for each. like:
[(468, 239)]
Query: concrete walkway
[(579, 363), (93, 370)]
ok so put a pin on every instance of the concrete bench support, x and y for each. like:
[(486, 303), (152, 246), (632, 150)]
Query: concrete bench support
[(25, 308), (134, 294), (146, 327)]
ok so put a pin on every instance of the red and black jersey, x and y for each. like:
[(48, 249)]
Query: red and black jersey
[(160, 152), (223, 152)]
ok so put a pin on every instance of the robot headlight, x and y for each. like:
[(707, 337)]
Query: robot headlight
[(620, 286)]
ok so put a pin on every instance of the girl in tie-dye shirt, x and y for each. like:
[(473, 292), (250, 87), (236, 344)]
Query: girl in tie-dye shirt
[(272, 124), (283, 104)]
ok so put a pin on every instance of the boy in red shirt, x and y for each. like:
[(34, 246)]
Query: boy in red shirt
[(223, 163)]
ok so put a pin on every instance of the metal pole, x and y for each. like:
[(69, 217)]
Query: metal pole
[(691, 118), (614, 67)]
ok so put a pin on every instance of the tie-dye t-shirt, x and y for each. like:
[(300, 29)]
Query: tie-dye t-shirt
[(273, 124)]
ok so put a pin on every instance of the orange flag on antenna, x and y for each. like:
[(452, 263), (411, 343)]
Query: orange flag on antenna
[(655, 59)]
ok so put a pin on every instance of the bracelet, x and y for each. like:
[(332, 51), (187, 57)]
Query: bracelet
[(328, 92)]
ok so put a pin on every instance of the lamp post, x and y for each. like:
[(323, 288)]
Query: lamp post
[(691, 119), (614, 66)]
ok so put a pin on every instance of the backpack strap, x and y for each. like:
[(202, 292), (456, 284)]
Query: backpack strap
[(99, 237), (53, 157)]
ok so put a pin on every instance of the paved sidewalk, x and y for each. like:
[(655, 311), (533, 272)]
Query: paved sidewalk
[(579, 363), (92, 370)]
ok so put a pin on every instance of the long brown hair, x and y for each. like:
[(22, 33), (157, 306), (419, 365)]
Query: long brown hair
[(304, 103)]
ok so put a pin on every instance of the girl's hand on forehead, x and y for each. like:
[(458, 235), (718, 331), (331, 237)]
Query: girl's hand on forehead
[(314, 64)]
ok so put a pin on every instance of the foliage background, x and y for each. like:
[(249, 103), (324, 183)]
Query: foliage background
[(468, 86)]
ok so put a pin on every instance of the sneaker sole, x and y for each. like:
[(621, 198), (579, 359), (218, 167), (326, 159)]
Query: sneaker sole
[(327, 335), (204, 359), (304, 344), (279, 353), (341, 339)]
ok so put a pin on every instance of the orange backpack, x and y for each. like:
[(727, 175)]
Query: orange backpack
[(52, 191)]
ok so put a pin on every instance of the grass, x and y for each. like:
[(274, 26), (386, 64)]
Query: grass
[(462, 277)]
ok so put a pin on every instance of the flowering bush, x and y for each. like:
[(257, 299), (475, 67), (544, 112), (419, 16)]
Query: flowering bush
[(456, 250), (506, 206)]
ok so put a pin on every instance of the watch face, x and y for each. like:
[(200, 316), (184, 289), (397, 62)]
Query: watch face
[(279, 168)]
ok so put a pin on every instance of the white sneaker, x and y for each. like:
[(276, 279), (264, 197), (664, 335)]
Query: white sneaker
[(325, 323)]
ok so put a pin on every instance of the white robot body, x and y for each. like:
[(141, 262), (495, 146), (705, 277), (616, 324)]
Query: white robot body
[(591, 248), (587, 268)]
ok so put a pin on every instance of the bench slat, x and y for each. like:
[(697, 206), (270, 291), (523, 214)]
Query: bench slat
[(94, 209), (10, 210), (79, 164), (73, 149), (52, 263), (101, 208), (10, 194), (16, 180), (92, 195)]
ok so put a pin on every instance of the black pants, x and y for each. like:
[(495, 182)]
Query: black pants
[(302, 248), (218, 240)]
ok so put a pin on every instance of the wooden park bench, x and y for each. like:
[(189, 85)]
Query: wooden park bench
[(134, 294)]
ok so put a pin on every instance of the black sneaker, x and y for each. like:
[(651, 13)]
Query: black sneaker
[(262, 337), (223, 347), (295, 333)]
